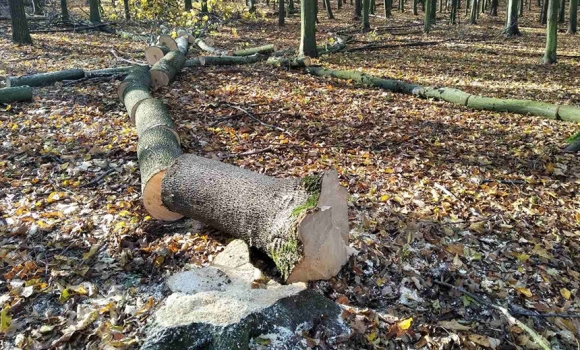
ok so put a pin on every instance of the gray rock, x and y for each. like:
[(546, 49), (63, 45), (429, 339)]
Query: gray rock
[(218, 307)]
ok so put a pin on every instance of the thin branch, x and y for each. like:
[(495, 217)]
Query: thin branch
[(126, 60), (98, 179), (254, 118), (239, 115), (249, 153)]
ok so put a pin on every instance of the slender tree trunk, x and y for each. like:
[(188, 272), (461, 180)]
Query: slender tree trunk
[(388, 5), (188, 5), (291, 7), (328, 9), (402, 5), (20, 32), (252, 8), (473, 13), (95, 15), (511, 27), (433, 11), (339, 4), (427, 22), (415, 7), (493, 8), (422, 5), (373, 7), (521, 7), (316, 21), (544, 13), (281, 10), (357, 8), (440, 6), (529, 5), (453, 14), (366, 24), (552, 32), (562, 15), (572, 25), (308, 28), (64, 11), (127, 12)]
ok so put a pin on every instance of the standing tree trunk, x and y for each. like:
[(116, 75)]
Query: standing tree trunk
[(493, 8), (291, 7), (402, 5), (453, 14), (427, 27), (252, 8), (433, 11), (328, 9), (127, 12), (357, 8), (415, 7), (204, 8), (20, 32), (373, 7), (473, 13), (544, 13), (366, 24), (552, 32), (440, 6), (64, 11), (339, 4), (188, 5), (521, 6), (572, 25), (388, 5), (95, 15), (280, 12), (511, 28), (562, 15), (308, 28)]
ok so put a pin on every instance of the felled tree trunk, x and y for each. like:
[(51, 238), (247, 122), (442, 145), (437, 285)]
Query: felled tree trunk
[(526, 107), (134, 93), (155, 53), (43, 79), (223, 60), (263, 50), (291, 62), (138, 75), (302, 224), (108, 72), (166, 69), (12, 94), (208, 48)]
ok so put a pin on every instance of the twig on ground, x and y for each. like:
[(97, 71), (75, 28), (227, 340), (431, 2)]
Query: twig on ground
[(378, 47), (126, 60), (538, 339), (93, 79), (239, 115), (98, 179), (444, 190), (249, 153), (254, 118)]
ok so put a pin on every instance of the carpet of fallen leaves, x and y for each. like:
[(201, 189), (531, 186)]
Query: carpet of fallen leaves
[(480, 200)]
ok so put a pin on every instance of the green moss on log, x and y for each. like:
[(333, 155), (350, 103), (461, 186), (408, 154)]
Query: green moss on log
[(43, 79)]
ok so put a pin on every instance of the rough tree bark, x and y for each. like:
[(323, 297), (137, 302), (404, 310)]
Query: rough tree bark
[(95, 14), (209, 48), (262, 50), (139, 75), (43, 79), (511, 28), (308, 29), (20, 32), (366, 24), (12, 94), (572, 25), (551, 32)]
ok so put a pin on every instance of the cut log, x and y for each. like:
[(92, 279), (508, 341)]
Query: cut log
[(190, 38), (157, 149), (569, 113), (13, 94), (223, 60), (263, 50), (290, 62), (154, 53), (167, 41), (137, 75), (43, 79), (133, 95), (300, 223), (546, 110), (182, 44), (152, 113), (166, 69), (448, 94), (208, 48), (108, 72)]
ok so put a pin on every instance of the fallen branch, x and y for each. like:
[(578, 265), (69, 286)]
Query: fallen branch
[(98, 178), (538, 339), (12, 94), (221, 120), (43, 79), (223, 60), (254, 118), (121, 59), (249, 153), (390, 46), (74, 29), (208, 48)]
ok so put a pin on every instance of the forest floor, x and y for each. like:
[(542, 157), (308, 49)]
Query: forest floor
[(481, 200)]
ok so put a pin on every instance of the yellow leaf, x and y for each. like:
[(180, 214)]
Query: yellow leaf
[(64, 295), (405, 324), (550, 167), (565, 293), (5, 319), (524, 291), (372, 336), (385, 197)]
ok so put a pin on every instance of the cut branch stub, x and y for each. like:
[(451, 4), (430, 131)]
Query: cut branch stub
[(167, 41), (157, 149), (152, 113), (301, 224), (166, 69), (137, 75), (154, 53)]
